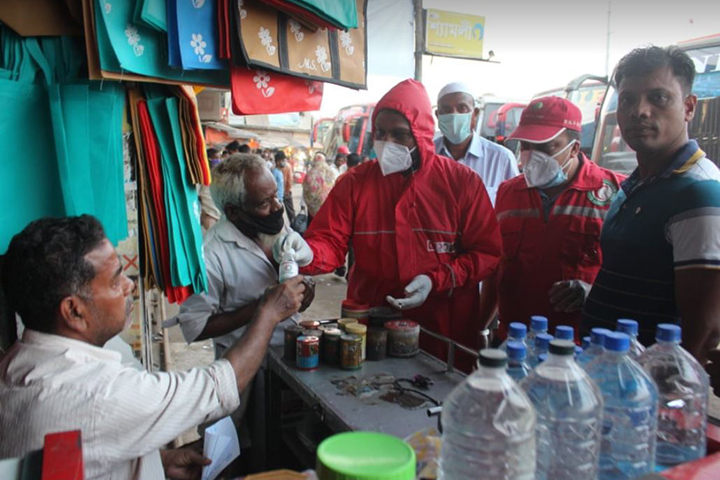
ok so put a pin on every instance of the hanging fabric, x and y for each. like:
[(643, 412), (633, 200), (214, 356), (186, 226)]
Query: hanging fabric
[(271, 40), (197, 34), (256, 91)]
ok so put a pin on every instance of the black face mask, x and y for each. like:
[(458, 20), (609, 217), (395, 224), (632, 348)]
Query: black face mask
[(251, 225)]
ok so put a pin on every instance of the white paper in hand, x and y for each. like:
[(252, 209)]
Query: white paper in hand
[(221, 446)]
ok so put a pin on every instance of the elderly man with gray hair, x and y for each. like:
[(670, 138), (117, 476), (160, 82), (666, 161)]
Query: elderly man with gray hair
[(238, 254), (458, 121)]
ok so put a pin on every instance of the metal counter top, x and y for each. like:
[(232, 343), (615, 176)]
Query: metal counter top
[(343, 412)]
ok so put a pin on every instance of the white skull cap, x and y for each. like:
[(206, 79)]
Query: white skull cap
[(455, 87)]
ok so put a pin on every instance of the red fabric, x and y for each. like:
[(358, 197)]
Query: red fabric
[(224, 29), (438, 221), (260, 92), (538, 253), (152, 157), (62, 457), (301, 13)]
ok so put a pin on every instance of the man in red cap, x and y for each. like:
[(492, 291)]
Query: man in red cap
[(550, 219), (422, 226)]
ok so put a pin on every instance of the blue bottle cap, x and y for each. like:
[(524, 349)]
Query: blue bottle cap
[(628, 326), (542, 341), (617, 342), (585, 342), (564, 332), (597, 336), (516, 350), (538, 323), (517, 330), (542, 357), (578, 350), (667, 332)]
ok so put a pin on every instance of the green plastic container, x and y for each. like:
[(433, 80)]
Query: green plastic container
[(365, 456)]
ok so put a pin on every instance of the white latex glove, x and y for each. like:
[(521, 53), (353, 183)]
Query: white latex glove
[(293, 241), (569, 295), (416, 293)]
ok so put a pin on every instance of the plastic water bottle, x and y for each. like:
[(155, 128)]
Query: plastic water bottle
[(517, 367), (578, 351), (516, 333), (596, 347), (542, 345), (569, 416), (488, 426), (542, 357), (630, 414), (288, 266), (538, 324), (564, 332), (630, 328), (683, 387)]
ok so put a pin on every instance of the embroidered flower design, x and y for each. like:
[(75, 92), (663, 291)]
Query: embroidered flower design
[(107, 7), (296, 30), (346, 42), (321, 56), (198, 3), (198, 44), (313, 87), (266, 40), (243, 12), (261, 79), (133, 38)]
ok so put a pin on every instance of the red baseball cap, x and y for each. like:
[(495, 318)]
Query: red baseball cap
[(546, 118), (343, 149)]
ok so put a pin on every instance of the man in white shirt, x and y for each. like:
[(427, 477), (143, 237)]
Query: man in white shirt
[(457, 119), (238, 254), (64, 279)]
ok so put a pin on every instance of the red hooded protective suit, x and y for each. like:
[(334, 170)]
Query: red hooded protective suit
[(437, 221)]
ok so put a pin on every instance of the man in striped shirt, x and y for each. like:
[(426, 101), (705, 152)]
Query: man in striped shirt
[(661, 238), (63, 278)]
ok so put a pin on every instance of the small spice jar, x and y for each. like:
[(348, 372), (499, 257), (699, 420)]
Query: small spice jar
[(376, 344), (309, 324), (361, 331), (292, 332), (380, 315), (403, 338), (354, 309), (331, 346), (345, 321), (350, 351), (308, 352)]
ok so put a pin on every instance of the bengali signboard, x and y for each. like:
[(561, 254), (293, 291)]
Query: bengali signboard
[(455, 34)]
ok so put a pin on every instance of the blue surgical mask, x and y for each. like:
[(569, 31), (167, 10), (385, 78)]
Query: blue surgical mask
[(455, 126)]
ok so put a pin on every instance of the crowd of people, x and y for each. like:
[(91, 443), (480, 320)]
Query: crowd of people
[(428, 222)]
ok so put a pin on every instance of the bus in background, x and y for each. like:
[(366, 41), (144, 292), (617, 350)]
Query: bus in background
[(585, 91), (350, 127), (611, 151)]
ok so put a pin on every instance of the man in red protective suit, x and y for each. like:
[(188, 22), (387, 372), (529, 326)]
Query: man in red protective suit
[(422, 226)]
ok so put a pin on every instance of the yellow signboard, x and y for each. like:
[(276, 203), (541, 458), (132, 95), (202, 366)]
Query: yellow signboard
[(456, 34)]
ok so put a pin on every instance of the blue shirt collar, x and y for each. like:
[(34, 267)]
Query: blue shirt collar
[(475, 148), (681, 158)]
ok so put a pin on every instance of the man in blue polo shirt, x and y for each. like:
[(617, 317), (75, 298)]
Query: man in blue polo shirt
[(457, 119), (661, 238)]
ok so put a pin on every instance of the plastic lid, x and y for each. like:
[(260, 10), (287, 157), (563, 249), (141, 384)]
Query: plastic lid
[(351, 337), (402, 325), (538, 323), (516, 350), (597, 336), (354, 305), (617, 342), (628, 326), (493, 358), (562, 347), (308, 324), (667, 332), (542, 341), (333, 332), (517, 330), (585, 342), (564, 332), (365, 456), (357, 328), (346, 321)]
